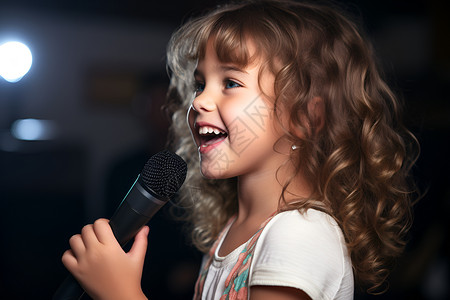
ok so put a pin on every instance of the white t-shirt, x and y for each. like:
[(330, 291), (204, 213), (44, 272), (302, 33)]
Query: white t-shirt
[(304, 251)]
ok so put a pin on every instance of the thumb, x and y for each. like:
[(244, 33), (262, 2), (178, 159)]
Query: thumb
[(139, 247)]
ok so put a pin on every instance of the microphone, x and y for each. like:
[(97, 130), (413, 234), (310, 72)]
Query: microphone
[(160, 179)]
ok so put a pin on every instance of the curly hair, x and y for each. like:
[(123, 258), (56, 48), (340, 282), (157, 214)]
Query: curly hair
[(359, 155)]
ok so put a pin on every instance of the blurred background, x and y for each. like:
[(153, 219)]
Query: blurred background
[(76, 130)]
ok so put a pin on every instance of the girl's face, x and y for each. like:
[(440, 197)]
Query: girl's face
[(231, 119)]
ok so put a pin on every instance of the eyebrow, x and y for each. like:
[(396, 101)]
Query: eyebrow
[(223, 68), (232, 68)]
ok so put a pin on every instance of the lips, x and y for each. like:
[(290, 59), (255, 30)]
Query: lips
[(209, 136)]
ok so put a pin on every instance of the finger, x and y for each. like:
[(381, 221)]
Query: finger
[(69, 260), (103, 231), (77, 245), (89, 237), (140, 243)]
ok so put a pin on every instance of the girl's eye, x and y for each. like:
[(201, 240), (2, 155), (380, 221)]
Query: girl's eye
[(229, 84), (199, 88)]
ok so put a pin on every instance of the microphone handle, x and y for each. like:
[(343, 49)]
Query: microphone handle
[(133, 213), (137, 208), (126, 223)]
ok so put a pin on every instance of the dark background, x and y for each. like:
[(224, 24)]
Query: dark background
[(99, 74)]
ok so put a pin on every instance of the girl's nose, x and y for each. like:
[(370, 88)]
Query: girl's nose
[(204, 103)]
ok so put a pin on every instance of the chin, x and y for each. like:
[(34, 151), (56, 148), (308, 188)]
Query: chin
[(210, 172), (211, 175)]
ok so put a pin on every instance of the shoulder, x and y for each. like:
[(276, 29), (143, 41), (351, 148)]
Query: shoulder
[(304, 236), (313, 226), (306, 251)]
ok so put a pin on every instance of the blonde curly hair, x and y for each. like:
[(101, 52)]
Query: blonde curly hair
[(358, 158)]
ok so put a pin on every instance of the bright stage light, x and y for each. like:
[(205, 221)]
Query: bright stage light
[(15, 61), (34, 129)]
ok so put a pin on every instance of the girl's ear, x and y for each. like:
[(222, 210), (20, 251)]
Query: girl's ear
[(314, 121)]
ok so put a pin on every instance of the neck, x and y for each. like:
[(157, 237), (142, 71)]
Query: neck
[(259, 194)]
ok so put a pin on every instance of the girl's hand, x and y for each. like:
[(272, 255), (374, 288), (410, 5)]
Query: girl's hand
[(101, 266)]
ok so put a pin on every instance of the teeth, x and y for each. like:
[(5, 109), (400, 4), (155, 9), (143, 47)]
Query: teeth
[(209, 130)]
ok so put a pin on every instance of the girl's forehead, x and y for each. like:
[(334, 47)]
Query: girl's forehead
[(242, 54), (211, 62), (211, 57)]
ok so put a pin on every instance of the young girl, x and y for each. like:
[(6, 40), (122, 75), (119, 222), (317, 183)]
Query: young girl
[(297, 174)]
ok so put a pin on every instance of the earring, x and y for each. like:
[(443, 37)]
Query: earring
[(294, 147)]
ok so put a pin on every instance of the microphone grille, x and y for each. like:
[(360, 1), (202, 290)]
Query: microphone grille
[(164, 173)]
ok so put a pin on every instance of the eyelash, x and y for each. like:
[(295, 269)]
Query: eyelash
[(200, 86), (232, 82), (197, 87)]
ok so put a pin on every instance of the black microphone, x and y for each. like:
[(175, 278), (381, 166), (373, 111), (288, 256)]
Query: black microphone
[(160, 179)]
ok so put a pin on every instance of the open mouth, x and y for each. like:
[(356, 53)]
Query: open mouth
[(209, 136)]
